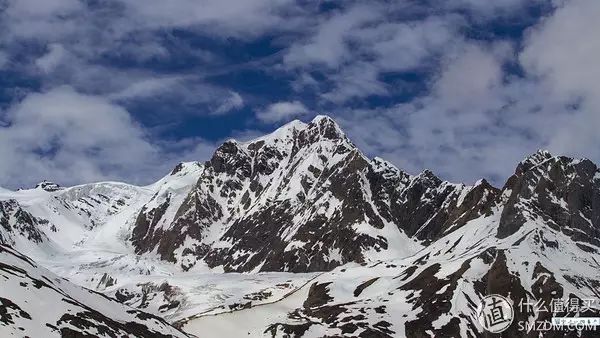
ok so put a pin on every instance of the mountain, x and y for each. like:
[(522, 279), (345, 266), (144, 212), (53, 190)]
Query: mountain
[(302, 199), (329, 241), (535, 242), (36, 303)]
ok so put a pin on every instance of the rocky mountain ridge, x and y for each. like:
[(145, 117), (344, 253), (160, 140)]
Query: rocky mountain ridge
[(312, 197), (417, 251), (304, 198)]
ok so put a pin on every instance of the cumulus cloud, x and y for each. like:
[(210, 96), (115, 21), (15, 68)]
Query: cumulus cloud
[(44, 21), (477, 120), (328, 44), (281, 111), (407, 45), (568, 65), (474, 117), (470, 76), (453, 130), (70, 137), (557, 51), (360, 79), (356, 46)]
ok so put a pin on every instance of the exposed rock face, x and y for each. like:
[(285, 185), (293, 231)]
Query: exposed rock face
[(306, 199), (106, 281), (562, 192), (426, 207), (440, 296), (48, 186), (36, 303), (17, 222), (303, 199)]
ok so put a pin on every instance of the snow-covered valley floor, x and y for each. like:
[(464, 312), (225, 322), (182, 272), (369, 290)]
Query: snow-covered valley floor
[(162, 289), (247, 322)]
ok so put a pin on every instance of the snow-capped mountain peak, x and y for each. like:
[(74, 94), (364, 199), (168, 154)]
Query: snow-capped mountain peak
[(48, 186), (303, 202)]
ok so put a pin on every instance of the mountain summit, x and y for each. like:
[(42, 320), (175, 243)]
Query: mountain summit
[(367, 249), (302, 199)]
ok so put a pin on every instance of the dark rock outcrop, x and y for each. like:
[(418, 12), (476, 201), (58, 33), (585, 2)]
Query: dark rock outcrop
[(306, 199), (560, 192)]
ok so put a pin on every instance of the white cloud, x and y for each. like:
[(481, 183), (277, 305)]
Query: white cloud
[(81, 39), (304, 80), (77, 34), (232, 102), (281, 111), (147, 86), (452, 130), (49, 61), (185, 90), (484, 9), (367, 33), (42, 20), (477, 121), (407, 45), (354, 47), (328, 44), (566, 60), (469, 77), (560, 51), (56, 19), (220, 17), (36, 8), (71, 138), (359, 79)]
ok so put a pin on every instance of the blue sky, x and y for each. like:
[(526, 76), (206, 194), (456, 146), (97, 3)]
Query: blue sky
[(123, 90)]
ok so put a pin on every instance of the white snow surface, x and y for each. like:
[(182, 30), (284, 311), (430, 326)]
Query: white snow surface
[(38, 297), (90, 244)]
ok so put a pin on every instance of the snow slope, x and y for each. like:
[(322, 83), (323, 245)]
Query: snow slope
[(302, 199), (298, 233), (36, 303), (433, 293)]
